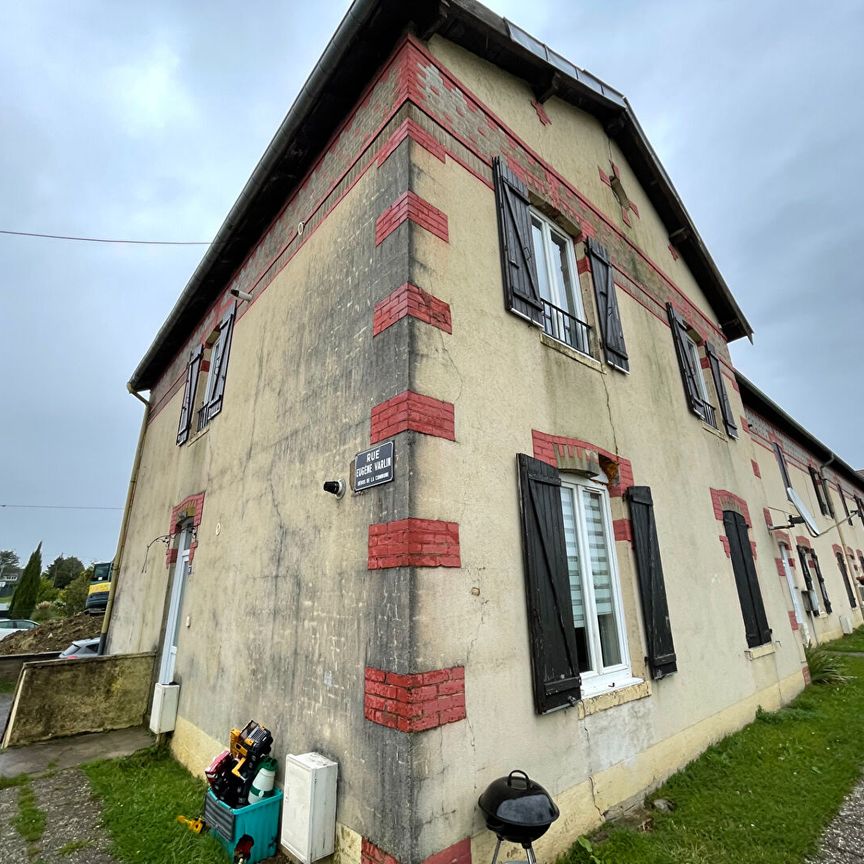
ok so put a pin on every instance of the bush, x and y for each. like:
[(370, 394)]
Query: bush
[(825, 667), (75, 594)]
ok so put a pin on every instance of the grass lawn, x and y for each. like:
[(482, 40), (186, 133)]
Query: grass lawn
[(760, 796), (854, 642), (141, 798), (7, 685)]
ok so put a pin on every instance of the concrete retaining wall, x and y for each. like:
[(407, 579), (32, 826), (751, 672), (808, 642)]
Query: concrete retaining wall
[(56, 698), (10, 665)]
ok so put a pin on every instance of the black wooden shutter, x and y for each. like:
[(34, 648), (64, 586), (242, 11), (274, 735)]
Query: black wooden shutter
[(820, 579), (192, 370), (781, 464), (608, 316), (845, 505), (820, 491), (859, 504), (749, 593), (521, 292), (844, 572), (652, 587), (223, 346), (808, 579), (554, 662), (722, 395), (685, 362)]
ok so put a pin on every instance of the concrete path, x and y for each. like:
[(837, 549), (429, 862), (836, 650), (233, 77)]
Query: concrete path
[(843, 841), (71, 752), (74, 832)]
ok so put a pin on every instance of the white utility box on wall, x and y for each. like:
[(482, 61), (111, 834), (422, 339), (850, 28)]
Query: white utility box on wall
[(163, 715), (309, 806)]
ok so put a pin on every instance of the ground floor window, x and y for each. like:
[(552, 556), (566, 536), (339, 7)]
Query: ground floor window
[(595, 590)]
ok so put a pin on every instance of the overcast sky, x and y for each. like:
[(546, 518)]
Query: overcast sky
[(144, 121)]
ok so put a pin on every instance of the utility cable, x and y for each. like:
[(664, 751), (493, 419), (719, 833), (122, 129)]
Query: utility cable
[(55, 507), (106, 240)]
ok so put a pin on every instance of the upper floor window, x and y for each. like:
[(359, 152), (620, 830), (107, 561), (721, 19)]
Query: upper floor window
[(689, 350), (538, 266), (201, 405), (558, 284)]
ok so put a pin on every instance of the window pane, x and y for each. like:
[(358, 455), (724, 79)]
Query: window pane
[(577, 593), (540, 257), (693, 351), (601, 571), (563, 276)]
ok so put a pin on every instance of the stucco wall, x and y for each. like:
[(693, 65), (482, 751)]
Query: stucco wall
[(56, 698), (505, 381)]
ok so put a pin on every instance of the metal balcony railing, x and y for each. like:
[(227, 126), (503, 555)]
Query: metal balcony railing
[(566, 328), (709, 414), (203, 416)]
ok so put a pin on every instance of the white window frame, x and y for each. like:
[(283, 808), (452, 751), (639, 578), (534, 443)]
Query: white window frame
[(547, 229), (693, 349), (611, 677)]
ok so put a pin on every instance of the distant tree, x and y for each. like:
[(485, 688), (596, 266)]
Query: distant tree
[(62, 570), (46, 591), (10, 565), (24, 598), (75, 593)]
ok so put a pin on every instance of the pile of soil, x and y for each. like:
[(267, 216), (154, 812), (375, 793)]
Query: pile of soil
[(55, 635)]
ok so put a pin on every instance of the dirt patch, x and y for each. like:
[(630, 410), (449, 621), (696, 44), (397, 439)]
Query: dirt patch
[(52, 635)]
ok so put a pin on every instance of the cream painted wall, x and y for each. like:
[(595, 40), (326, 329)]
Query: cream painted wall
[(504, 382), (576, 145)]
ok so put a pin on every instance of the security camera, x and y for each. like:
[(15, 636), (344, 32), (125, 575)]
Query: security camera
[(335, 487), (243, 295)]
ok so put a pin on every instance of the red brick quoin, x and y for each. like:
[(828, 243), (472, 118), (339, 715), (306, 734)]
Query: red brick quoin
[(411, 207), (416, 702), (410, 301), (414, 543), (458, 853), (414, 411)]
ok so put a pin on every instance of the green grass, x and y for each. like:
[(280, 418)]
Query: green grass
[(9, 782), (761, 796), (854, 642), (30, 821), (7, 685), (141, 798)]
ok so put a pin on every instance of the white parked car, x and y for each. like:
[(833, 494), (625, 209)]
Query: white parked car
[(15, 625)]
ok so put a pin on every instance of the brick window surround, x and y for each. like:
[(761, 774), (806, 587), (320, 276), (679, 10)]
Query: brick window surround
[(190, 507)]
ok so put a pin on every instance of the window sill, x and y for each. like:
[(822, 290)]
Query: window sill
[(198, 435), (631, 690), (713, 430), (572, 353), (759, 651)]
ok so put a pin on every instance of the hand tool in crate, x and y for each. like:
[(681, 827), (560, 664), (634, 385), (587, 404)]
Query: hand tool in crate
[(231, 773)]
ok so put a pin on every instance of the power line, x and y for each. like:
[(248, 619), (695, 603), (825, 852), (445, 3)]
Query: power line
[(107, 240), (55, 507)]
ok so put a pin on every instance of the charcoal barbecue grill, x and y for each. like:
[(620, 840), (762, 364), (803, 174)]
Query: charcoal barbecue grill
[(517, 810)]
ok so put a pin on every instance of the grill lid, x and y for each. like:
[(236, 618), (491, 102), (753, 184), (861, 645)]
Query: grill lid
[(516, 800)]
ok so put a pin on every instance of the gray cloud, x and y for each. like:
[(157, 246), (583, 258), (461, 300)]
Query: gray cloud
[(145, 121)]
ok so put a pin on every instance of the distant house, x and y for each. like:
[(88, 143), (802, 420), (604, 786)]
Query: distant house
[(581, 563)]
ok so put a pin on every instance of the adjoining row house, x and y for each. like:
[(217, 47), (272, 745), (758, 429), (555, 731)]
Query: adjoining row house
[(460, 243)]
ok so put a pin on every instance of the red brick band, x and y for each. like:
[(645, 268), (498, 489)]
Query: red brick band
[(410, 301), (410, 129), (416, 702), (415, 412), (410, 207), (458, 853), (414, 543)]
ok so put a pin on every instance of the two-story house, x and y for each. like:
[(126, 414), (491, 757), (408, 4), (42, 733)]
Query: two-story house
[(461, 243)]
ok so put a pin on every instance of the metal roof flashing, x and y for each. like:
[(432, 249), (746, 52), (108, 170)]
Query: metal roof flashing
[(368, 33)]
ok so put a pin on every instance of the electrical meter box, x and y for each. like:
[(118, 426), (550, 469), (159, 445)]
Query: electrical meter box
[(163, 715), (309, 806)]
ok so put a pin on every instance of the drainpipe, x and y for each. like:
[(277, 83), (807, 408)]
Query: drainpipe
[(124, 525)]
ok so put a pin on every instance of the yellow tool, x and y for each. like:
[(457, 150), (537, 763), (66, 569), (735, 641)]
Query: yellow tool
[(196, 826)]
